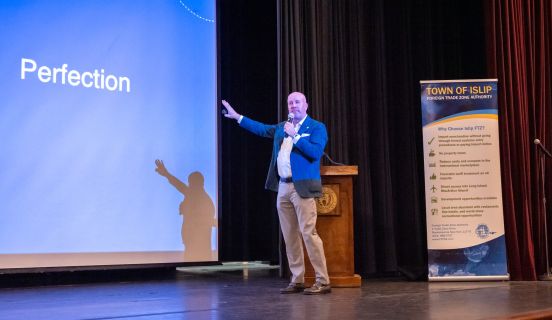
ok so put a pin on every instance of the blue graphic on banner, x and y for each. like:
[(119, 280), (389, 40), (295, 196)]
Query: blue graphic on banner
[(485, 259)]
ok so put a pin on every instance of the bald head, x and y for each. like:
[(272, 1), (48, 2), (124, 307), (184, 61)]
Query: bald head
[(297, 104), (297, 95)]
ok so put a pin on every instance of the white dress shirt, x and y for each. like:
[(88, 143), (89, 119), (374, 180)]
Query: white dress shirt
[(284, 164)]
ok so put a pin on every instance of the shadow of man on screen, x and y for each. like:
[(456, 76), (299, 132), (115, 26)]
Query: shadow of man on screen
[(197, 211)]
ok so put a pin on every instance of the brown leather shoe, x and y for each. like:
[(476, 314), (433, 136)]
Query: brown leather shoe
[(293, 288), (318, 288)]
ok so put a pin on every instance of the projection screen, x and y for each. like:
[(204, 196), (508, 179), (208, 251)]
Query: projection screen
[(92, 94)]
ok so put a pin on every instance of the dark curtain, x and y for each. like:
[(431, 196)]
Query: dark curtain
[(359, 63), (248, 80), (520, 56)]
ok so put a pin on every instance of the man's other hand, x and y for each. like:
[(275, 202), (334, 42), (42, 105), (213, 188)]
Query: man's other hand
[(231, 113)]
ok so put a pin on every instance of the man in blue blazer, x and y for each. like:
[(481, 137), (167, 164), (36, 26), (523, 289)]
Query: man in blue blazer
[(294, 173)]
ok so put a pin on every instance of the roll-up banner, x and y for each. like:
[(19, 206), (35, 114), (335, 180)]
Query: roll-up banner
[(465, 223)]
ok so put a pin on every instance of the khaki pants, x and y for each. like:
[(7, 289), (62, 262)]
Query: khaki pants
[(298, 222)]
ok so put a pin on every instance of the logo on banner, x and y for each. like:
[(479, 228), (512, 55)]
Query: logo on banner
[(482, 231)]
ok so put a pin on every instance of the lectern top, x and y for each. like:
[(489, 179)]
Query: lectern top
[(338, 170)]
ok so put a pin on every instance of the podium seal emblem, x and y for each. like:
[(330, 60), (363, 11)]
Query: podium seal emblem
[(327, 202)]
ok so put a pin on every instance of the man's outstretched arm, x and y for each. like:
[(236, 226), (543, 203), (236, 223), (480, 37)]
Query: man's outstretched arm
[(250, 125)]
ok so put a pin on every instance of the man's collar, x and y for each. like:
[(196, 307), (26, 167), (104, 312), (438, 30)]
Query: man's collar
[(302, 120)]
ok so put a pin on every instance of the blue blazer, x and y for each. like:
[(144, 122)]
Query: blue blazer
[(305, 155)]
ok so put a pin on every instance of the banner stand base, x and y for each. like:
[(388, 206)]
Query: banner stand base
[(546, 276), (505, 277)]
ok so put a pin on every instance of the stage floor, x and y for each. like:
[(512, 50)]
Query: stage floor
[(252, 292)]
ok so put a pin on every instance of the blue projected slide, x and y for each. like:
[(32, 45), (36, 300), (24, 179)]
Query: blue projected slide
[(93, 93)]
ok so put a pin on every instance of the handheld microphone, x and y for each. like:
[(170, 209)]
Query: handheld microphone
[(290, 117), (290, 120)]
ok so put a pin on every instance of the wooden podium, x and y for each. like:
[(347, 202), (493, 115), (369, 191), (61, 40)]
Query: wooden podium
[(335, 226)]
